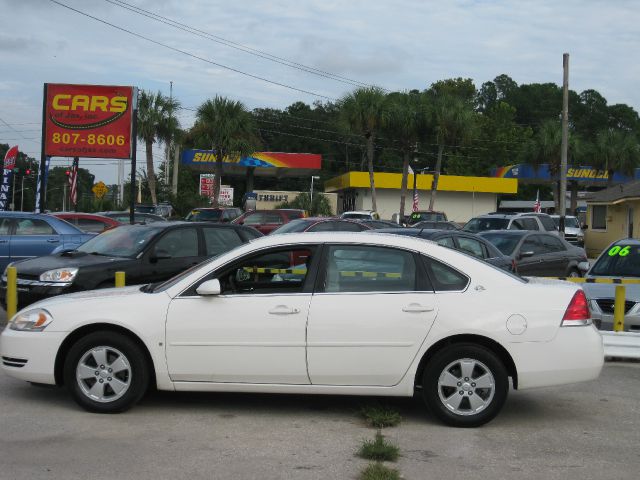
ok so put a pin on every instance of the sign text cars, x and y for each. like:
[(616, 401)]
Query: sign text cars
[(88, 121)]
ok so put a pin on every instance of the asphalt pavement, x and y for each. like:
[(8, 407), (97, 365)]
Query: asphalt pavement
[(584, 431)]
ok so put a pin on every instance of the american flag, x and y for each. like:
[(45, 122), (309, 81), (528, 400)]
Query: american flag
[(73, 182), (536, 205)]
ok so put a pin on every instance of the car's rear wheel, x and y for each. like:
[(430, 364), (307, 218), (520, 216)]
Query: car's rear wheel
[(465, 385), (106, 372)]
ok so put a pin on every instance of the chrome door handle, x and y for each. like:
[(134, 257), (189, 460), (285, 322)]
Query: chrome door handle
[(417, 308), (52, 240), (283, 310)]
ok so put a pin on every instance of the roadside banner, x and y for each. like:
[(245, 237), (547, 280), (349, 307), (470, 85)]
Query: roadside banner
[(7, 174), (47, 161)]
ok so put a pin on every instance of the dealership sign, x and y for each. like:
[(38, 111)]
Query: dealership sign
[(7, 172), (207, 184), (88, 121)]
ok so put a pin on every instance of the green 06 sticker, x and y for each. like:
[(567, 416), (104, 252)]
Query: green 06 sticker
[(621, 251)]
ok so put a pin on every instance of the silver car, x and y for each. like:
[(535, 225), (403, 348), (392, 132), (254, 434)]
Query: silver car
[(621, 259), (573, 232)]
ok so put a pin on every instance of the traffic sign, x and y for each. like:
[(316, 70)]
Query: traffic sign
[(100, 189)]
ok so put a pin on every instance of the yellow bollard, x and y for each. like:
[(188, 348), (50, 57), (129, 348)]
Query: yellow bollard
[(618, 309), (119, 279), (12, 292)]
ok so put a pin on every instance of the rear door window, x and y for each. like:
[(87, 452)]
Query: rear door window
[(220, 240), (179, 243), (548, 224), (32, 226)]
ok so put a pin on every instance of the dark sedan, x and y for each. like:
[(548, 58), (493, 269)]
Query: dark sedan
[(146, 253), (436, 225), (458, 240), (322, 224), (539, 254)]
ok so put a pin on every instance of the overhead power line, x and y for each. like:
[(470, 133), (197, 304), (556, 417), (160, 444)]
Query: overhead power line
[(192, 55), (237, 46)]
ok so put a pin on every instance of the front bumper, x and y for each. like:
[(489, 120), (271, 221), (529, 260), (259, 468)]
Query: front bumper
[(575, 355), (31, 291), (30, 356), (604, 321)]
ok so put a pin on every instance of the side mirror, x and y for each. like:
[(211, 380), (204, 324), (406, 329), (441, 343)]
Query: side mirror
[(527, 254), (210, 287), (160, 254), (584, 227)]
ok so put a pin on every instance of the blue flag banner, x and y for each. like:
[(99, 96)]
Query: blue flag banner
[(46, 175)]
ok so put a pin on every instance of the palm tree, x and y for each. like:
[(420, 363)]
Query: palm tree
[(228, 127), (453, 120), (545, 148), (155, 123), (404, 121), (616, 150), (363, 112)]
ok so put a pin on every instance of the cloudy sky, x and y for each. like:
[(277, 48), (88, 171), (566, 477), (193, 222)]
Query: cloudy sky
[(400, 44)]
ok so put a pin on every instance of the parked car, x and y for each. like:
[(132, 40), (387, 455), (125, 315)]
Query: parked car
[(27, 235), (463, 241), (220, 214), (361, 215), (146, 253), (266, 221), (573, 231), (322, 224), (138, 217), (164, 210), (434, 225), (88, 222), (426, 215), (512, 221), (621, 259), (368, 315), (539, 254)]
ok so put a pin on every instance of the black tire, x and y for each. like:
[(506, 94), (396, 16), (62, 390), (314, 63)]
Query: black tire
[(436, 395), (116, 348)]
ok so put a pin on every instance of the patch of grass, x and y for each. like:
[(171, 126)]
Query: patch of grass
[(377, 471), (380, 416), (379, 449)]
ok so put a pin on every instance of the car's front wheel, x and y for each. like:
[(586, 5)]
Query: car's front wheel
[(465, 385), (106, 372)]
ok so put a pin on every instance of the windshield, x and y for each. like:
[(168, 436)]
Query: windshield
[(428, 216), (197, 215), (571, 222), (123, 241), (293, 226), (481, 224), (505, 243), (620, 260)]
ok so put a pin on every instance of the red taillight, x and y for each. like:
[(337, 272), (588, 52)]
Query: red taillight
[(577, 312)]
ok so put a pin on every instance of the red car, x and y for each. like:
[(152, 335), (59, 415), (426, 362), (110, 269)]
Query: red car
[(266, 221), (88, 222)]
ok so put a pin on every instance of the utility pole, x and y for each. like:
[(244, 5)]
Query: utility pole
[(565, 142), (168, 145), (22, 195)]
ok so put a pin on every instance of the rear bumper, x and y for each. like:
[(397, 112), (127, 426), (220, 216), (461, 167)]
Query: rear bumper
[(30, 356), (574, 355)]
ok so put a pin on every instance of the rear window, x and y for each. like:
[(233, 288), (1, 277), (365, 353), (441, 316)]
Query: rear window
[(295, 214), (206, 215), (505, 243), (620, 260), (548, 223), (482, 224), (292, 227)]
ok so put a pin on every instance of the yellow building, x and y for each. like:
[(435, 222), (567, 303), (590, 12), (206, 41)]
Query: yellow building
[(461, 198), (611, 215)]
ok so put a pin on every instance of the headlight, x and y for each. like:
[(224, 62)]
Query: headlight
[(62, 275), (31, 321)]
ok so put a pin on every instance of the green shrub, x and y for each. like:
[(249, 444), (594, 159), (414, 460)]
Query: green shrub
[(378, 449)]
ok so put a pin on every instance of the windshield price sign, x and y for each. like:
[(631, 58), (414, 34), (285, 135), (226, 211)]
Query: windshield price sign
[(618, 250), (88, 121)]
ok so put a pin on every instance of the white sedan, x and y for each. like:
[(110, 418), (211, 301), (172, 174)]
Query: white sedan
[(319, 313)]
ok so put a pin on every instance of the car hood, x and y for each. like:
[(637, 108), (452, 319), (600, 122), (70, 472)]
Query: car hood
[(103, 293), (607, 290), (36, 266)]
